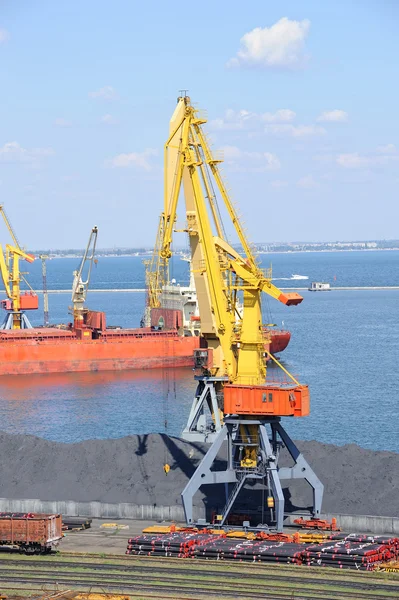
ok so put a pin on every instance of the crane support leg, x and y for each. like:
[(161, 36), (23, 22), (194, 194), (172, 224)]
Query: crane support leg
[(9, 321), (204, 476), (251, 437), (277, 490), (205, 418), (301, 468)]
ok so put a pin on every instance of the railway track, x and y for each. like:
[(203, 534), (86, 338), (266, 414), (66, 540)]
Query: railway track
[(103, 571), (147, 577)]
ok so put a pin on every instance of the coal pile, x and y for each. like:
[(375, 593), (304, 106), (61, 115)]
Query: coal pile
[(130, 469)]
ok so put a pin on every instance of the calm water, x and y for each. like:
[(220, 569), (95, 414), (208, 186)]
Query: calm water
[(345, 345)]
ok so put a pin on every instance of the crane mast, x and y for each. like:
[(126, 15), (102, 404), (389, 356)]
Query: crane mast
[(233, 385), (18, 302), (43, 258), (81, 282)]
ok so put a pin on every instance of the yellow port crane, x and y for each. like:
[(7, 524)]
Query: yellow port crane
[(233, 385), (11, 275)]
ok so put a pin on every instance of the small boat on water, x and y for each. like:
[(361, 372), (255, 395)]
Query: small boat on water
[(319, 286)]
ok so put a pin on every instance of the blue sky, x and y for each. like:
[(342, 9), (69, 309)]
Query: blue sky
[(300, 96)]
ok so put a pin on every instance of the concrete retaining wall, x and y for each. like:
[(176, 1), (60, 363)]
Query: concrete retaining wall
[(102, 510), (349, 523)]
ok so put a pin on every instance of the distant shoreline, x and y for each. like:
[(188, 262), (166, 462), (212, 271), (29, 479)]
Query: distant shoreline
[(295, 289), (261, 252)]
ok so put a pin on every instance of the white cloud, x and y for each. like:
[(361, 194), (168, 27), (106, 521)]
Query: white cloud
[(261, 161), (4, 35), (333, 116), (355, 160), (297, 131), (281, 45), (279, 183), (244, 119), (61, 122), (69, 178), (141, 160), (388, 149), (231, 153), (234, 119), (308, 182), (283, 115), (109, 120), (352, 160), (106, 93), (13, 152)]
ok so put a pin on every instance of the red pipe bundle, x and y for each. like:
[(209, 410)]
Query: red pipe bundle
[(174, 544), (249, 550), (346, 554), (351, 551)]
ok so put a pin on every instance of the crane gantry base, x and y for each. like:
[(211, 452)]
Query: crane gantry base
[(205, 419), (266, 468), (8, 322)]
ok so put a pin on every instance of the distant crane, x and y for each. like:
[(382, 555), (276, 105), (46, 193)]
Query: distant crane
[(43, 258), (80, 286), (17, 302)]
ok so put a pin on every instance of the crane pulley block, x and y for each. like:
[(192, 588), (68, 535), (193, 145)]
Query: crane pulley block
[(267, 400)]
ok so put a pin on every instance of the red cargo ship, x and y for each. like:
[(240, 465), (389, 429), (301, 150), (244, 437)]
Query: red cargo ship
[(93, 347), (53, 350), (168, 338)]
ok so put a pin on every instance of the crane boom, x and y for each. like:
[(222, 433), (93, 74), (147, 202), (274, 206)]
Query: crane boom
[(190, 164), (9, 226), (80, 285)]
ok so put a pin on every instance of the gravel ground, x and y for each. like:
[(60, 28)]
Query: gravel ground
[(130, 469)]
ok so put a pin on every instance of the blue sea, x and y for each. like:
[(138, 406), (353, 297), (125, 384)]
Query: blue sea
[(345, 345)]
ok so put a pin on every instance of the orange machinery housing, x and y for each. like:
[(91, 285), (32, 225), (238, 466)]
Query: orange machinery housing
[(28, 301), (283, 401)]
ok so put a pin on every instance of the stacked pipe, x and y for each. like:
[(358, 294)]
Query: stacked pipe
[(249, 550), (175, 544), (347, 554), (352, 551), (75, 523)]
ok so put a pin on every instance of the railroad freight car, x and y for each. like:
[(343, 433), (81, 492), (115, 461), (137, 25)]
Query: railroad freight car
[(33, 533)]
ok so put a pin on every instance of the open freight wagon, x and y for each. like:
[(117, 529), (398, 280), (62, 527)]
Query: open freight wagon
[(33, 533)]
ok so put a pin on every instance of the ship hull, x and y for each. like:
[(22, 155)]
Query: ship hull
[(58, 351), (279, 340), (50, 354)]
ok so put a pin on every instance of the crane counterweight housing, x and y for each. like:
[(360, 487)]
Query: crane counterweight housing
[(234, 401)]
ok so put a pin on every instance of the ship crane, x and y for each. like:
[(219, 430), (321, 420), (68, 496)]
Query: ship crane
[(81, 282), (245, 408), (46, 321), (18, 302)]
